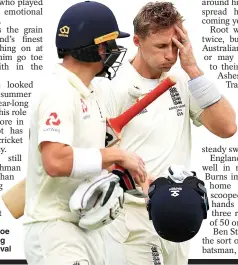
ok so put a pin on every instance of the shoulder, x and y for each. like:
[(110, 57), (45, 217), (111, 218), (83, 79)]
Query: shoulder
[(57, 85), (125, 79), (181, 78), (53, 90), (118, 86), (180, 75)]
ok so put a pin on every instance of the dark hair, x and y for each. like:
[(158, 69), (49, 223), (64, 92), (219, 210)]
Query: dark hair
[(155, 16)]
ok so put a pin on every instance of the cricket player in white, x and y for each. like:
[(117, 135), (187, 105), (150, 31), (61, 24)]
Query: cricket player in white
[(161, 133), (67, 142)]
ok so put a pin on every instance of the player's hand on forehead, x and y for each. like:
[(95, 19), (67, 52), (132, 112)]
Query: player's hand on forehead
[(176, 34), (187, 59), (182, 33)]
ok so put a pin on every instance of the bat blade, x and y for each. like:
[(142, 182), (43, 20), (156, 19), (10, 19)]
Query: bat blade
[(115, 125), (14, 199)]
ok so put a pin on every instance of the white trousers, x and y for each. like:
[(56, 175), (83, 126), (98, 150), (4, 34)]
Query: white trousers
[(132, 240), (63, 243)]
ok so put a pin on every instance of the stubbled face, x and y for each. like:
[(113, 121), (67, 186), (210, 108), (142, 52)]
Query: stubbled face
[(157, 50)]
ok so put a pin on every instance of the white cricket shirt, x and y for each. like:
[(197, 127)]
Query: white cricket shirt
[(65, 112), (161, 133)]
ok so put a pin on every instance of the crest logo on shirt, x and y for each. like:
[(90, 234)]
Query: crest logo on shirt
[(155, 255), (177, 101), (53, 119), (175, 96), (84, 106), (86, 114)]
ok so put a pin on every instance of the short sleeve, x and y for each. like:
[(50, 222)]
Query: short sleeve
[(56, 118), (194, 110)]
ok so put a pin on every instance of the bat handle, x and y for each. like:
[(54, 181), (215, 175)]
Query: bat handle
[(117, 167), (119, 122)]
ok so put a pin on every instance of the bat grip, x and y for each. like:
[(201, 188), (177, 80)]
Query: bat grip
[(117, 167), (119, 122)]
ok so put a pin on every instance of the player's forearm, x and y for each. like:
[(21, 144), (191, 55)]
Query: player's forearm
[(111, 156), (61, 160), (194, 71), (220, 119)]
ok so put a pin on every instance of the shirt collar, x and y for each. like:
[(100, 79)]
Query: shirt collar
[(160, 79), (140, 85), (74, 81)]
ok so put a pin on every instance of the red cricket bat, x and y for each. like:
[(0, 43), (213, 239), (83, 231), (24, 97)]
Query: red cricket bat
[(115, 125)]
